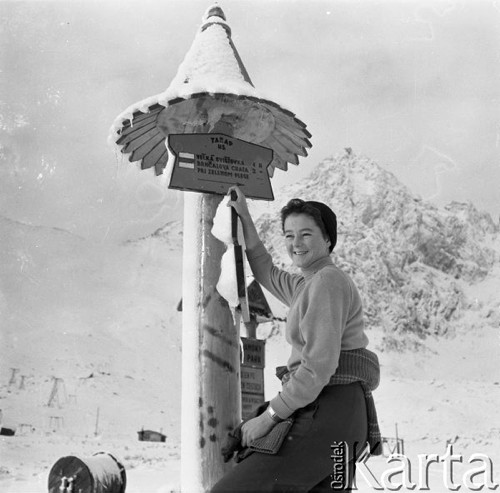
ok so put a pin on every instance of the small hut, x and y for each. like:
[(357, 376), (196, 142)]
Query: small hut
[(151, 436)]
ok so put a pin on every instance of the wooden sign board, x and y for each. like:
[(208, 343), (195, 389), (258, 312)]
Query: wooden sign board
[(252, 380), (254, 352), (211, 163), (249, 402), (252, 375)]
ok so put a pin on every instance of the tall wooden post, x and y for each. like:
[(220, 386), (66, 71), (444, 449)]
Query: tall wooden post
[(211, 403)]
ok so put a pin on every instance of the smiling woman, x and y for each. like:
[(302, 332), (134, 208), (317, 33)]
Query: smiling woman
[(310, 230), (329, 376), (305, 242)]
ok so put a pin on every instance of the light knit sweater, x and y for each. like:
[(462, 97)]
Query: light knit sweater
[(325, 317)]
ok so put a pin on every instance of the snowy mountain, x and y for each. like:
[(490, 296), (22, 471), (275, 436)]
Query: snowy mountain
[(170, 236), (57, 285)]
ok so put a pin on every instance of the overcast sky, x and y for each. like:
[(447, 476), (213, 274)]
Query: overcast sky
[(413, 85)]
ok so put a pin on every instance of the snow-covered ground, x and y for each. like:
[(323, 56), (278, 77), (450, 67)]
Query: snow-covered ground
[(449, 393)]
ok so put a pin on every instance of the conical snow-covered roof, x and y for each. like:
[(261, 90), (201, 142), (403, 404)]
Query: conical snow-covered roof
[(211, 91)]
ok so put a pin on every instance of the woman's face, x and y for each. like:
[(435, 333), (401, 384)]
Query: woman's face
[(304, 240)]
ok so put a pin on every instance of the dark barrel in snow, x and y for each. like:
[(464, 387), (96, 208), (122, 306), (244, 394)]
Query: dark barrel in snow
[(100, 473)]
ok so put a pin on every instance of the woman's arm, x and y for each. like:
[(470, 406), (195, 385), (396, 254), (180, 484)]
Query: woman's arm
[(241, 207), (280, 283)]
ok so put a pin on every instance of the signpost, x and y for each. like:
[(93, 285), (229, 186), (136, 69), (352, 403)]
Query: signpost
[(211, 163), (253, 352), (251, 136), (252, 375)]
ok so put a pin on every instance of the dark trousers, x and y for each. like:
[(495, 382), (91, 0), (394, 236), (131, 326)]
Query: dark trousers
[(304, 462)]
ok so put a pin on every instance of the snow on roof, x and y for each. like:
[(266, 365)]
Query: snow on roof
[(211, 80), (212, 65)]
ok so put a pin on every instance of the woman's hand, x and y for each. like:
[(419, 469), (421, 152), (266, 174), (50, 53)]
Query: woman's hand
[(256, 428), (240, 204), (241, 207)]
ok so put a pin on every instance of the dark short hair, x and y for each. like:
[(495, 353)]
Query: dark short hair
[(320, 213)]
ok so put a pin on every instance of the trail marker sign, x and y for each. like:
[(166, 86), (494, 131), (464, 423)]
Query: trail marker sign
[(252, 380), (253, 352), (211, 163), (252, 375), (249, 402)]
